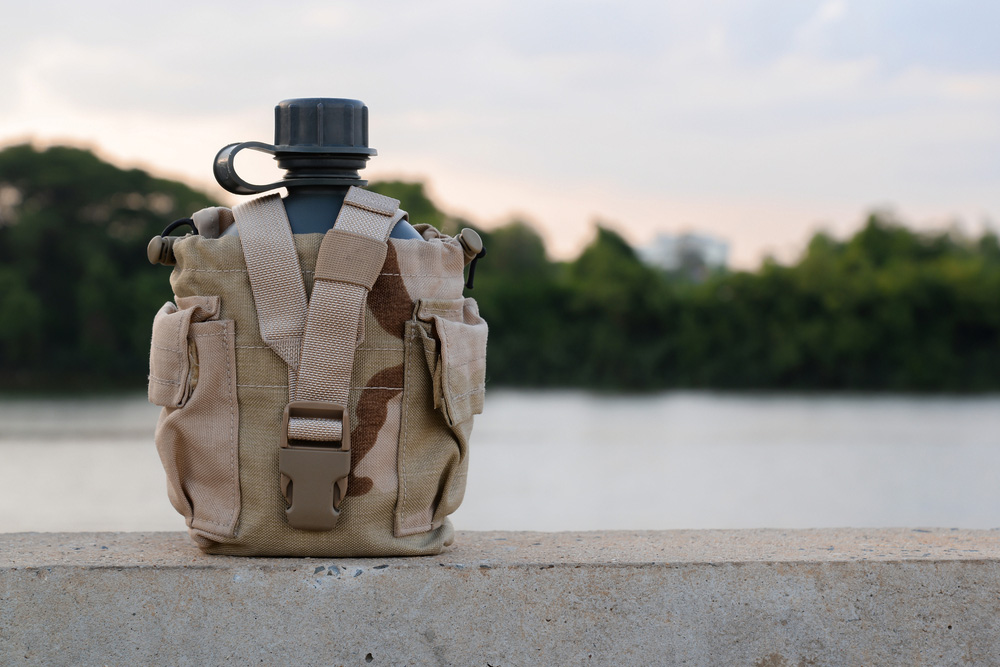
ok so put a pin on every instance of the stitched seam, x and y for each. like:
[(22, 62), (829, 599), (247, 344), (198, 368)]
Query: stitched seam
[(422, 528), (477, 390), (166, 349), (214, 270), (304, 271), (179, 399), (233, 445), (417, 275), (210, 523), (153, 378), (445, 375), (401, 513), (470, 361), (285, 386)]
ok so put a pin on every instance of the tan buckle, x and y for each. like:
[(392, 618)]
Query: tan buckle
[(314, 473)]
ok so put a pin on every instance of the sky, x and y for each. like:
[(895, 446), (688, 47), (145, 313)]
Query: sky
[(757, 121)]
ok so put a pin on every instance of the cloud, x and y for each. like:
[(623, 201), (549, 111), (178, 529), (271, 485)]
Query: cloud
[(567, 110)]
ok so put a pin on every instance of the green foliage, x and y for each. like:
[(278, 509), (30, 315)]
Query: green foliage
[(413, 199), (887, 309), (77, 294), (517, 250)]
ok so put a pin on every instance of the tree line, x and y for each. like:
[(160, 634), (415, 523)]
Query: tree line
[(888, 309)]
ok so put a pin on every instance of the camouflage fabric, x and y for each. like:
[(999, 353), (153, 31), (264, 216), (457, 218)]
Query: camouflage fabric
[(418, 379)]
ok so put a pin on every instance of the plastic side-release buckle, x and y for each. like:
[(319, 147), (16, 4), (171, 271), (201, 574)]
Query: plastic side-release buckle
[(314, 473)]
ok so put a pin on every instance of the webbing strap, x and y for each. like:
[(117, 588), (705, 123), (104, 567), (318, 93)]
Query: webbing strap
[(335, 322), (275, 276), (316, 339), (350, 259)]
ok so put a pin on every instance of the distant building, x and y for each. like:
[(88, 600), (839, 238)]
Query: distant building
[(693, 255)]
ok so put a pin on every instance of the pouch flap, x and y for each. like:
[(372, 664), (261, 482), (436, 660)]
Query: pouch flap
[(203, 308), (169, 358), (459, 367)]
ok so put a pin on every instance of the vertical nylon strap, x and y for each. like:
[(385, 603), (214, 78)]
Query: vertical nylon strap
[(334, 325), (275, 275)]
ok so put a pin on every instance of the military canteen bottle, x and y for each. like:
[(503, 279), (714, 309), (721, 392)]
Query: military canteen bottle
[(320, 367)]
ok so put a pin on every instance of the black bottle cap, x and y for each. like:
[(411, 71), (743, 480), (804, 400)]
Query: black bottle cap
[(318, 141), (321, 125)]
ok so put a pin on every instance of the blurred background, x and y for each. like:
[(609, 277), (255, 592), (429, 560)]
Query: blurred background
[(743, 259)]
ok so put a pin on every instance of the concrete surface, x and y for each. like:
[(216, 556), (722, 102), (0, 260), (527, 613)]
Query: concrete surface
[(765, 598)]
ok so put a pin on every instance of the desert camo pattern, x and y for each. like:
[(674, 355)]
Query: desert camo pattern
[(418, 379)]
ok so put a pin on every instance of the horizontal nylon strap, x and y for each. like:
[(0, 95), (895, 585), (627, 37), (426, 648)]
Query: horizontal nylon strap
[(345, 257), (371, 201), (315, 429)]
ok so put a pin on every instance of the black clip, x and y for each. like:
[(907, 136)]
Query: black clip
[(179, 223), (472, 267), (161, 248)]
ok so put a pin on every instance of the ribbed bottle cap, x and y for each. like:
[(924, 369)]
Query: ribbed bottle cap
[(318, 123)]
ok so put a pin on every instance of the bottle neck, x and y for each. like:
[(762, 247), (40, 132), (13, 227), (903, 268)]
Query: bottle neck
[(313, 210)]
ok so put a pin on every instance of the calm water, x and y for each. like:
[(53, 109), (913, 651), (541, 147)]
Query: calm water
[(569, 461)]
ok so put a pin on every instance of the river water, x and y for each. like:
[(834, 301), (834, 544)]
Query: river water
[(578, 461)]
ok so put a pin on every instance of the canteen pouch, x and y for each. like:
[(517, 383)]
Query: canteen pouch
[(409, 407)]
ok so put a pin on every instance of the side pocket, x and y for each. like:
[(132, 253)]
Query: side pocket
[(169, 354), (456, 356), (443, 387), (169, 366), (197, 442)]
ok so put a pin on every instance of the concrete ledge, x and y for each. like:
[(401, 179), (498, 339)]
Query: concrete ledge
[(768, 598)]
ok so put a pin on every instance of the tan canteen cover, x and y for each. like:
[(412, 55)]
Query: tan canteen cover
[(418, 378)]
